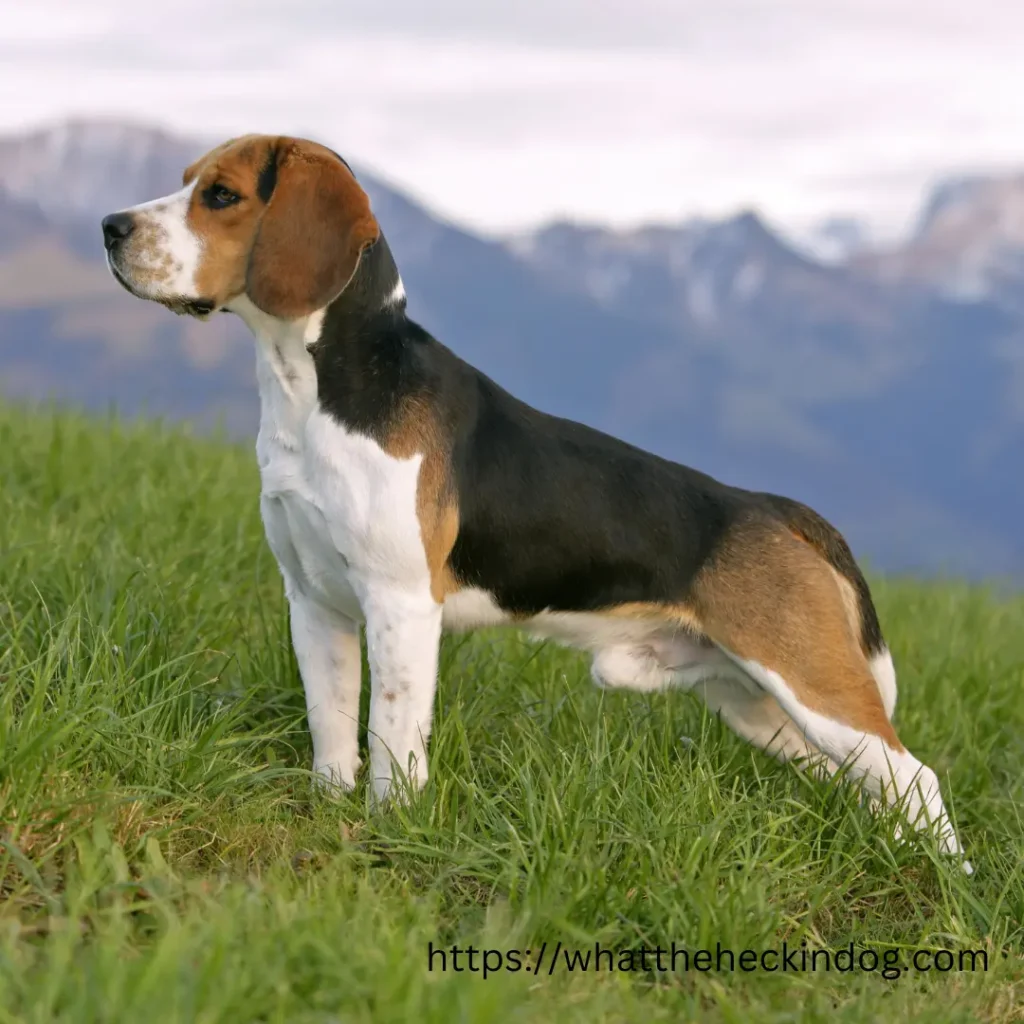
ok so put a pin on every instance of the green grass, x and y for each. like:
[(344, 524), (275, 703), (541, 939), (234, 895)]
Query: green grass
[(162, 857)]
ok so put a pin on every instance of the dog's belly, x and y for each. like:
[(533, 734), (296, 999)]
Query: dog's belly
[(641, 653)]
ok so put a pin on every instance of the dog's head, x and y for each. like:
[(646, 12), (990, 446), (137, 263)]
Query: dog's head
[(280, 220)]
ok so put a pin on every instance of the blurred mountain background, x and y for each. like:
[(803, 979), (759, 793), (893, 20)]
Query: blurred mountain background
[(883, 385)]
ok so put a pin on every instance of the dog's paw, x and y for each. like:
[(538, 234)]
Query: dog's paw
[(332, 778), (395, 786)]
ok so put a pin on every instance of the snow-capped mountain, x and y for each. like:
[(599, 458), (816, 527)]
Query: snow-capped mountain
[(695, 270), (969, 243), (835, 240)]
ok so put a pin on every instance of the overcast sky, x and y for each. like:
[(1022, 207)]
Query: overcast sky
[(504, 113)]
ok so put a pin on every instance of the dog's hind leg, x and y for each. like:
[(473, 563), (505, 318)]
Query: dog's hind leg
[(772, 606), (757, 717)]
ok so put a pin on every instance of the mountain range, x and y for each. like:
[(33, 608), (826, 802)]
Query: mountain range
[(883, 386)]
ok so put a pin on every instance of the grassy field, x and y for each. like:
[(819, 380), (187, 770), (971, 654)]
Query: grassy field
[(162, 857)]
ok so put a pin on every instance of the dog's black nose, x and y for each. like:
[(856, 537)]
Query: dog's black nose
[(116, 227)]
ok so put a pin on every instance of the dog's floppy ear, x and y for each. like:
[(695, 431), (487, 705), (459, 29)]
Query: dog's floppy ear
[(315, 227)]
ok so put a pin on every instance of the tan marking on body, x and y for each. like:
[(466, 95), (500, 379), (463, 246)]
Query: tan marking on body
[(770, 598), (416, 431)]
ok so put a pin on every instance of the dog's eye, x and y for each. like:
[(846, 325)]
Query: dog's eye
[(217, 197)]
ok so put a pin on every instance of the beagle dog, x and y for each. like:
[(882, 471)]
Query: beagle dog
[(405, 491)]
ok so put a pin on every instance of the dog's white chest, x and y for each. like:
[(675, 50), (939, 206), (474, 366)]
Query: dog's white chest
[(339, 511), (340, 514)]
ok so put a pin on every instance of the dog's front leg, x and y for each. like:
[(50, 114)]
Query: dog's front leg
[(403, 632), (327, 649)]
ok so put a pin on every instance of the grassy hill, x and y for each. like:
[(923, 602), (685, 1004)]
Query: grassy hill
[(162, 857)]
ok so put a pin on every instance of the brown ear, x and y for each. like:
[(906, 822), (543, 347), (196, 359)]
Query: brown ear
[(315, 228)]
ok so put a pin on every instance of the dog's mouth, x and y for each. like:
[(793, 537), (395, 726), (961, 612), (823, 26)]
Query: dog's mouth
[(179, 304), (199, 308)]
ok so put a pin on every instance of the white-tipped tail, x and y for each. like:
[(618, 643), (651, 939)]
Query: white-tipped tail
[(885, 678)]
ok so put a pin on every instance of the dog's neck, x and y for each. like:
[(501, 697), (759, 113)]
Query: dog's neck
[(343, 355), (376, 288)]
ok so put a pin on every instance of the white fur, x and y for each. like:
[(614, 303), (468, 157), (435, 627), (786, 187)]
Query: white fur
[(896, 777), (403, 633), (473, 608), (165, 265), (397, 294), (327, 649), (885, 678)]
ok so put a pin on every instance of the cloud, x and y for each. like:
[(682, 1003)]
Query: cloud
[(503, 115)]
